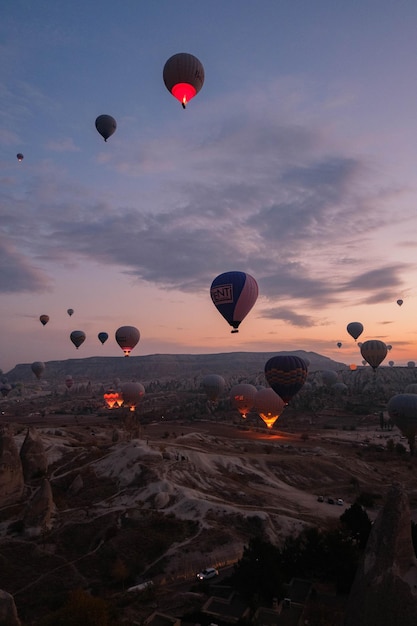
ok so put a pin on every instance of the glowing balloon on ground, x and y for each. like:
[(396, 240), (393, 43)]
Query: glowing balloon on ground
[(374, 352), (106, 125), (70, 312), (111, 398), (132, 393), (402, 409), (20, 156), (286, 374), (400, 302), (213, 385), (38, 368), (242, 397), (127, 337), (77, 337), (268, 405), (234, 294), (44, 319), (103, 337), (183, 76), (354, 329), (353, 367)]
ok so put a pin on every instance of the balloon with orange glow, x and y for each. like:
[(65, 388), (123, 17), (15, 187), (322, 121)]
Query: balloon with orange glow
[(110, 398), (268, 405), (374, 352), (127, 337), (353, 367), (183, 76), (286, 374), (77, 337), (132, 393), (242, 397), (44, 319), (20, 157)]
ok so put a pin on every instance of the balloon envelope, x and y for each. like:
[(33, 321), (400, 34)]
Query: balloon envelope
[(106, 125), (268, 405), (103, 337), (374, 352), (242, 397), (183, 76), (70, 312), (127, 337), (329, 377), (77, 337), (402, 409), (339, 344), (286, 374), (44, 319), (38, 368), (354, 329), (399, 302), (19, 156), (213, 385), (132, 393), (234, 294)]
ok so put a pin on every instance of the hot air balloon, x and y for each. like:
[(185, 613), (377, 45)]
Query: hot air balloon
[(391, 363), (389, 347), (353, 367), (242, 397), (213, 385), (19, 156), (69, 381), (268, 405), (339, 344), (329, 377), (70, 312), (106, 126), (44, 319), (234, 294), (339, 388), (286, 374), (411, 364), (132, 393), (77, 337), (127, 337), (402, 409), (103, 337), (354, 329), (38, 368), (110, 398), (399, 302), (374, 352), (183, 76), (5, 389), (359, 344)]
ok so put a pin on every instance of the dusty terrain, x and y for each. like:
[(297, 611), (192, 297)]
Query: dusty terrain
[(171, 498)]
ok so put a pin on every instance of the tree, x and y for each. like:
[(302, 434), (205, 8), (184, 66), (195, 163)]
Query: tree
[(356, 520)]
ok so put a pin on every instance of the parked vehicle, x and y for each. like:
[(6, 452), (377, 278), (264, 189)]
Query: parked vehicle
[(208, 573)]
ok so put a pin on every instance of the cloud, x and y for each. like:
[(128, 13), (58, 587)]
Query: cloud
[(287, 315), (17, 274), (62, 145)]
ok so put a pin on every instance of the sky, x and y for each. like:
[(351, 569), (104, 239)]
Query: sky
[(295, 163)]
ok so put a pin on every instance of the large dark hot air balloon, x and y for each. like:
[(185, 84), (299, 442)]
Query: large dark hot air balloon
[(127, 337), (77, 337), (286, 374), (402, 409), (103, 337), (106, 126), (374, 352), (132, 393), (213, 385), (38, 368), (354, 329), (183, 76), (234, 294)]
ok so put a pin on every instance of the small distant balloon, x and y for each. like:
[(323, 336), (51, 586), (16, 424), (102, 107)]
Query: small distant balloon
[(19, 156), (389, 347), (103, 337), (391, 363), (44, 319), (339, 344), (353, 367), (106, 125), (183, 76), (70, 312), (354, 329), (411, 364), (77, 337), (400, 302)]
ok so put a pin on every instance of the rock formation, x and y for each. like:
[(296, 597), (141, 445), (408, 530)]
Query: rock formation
[(8, 613), (11, 473), (33, 455), (384, 591), (39, 511)]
